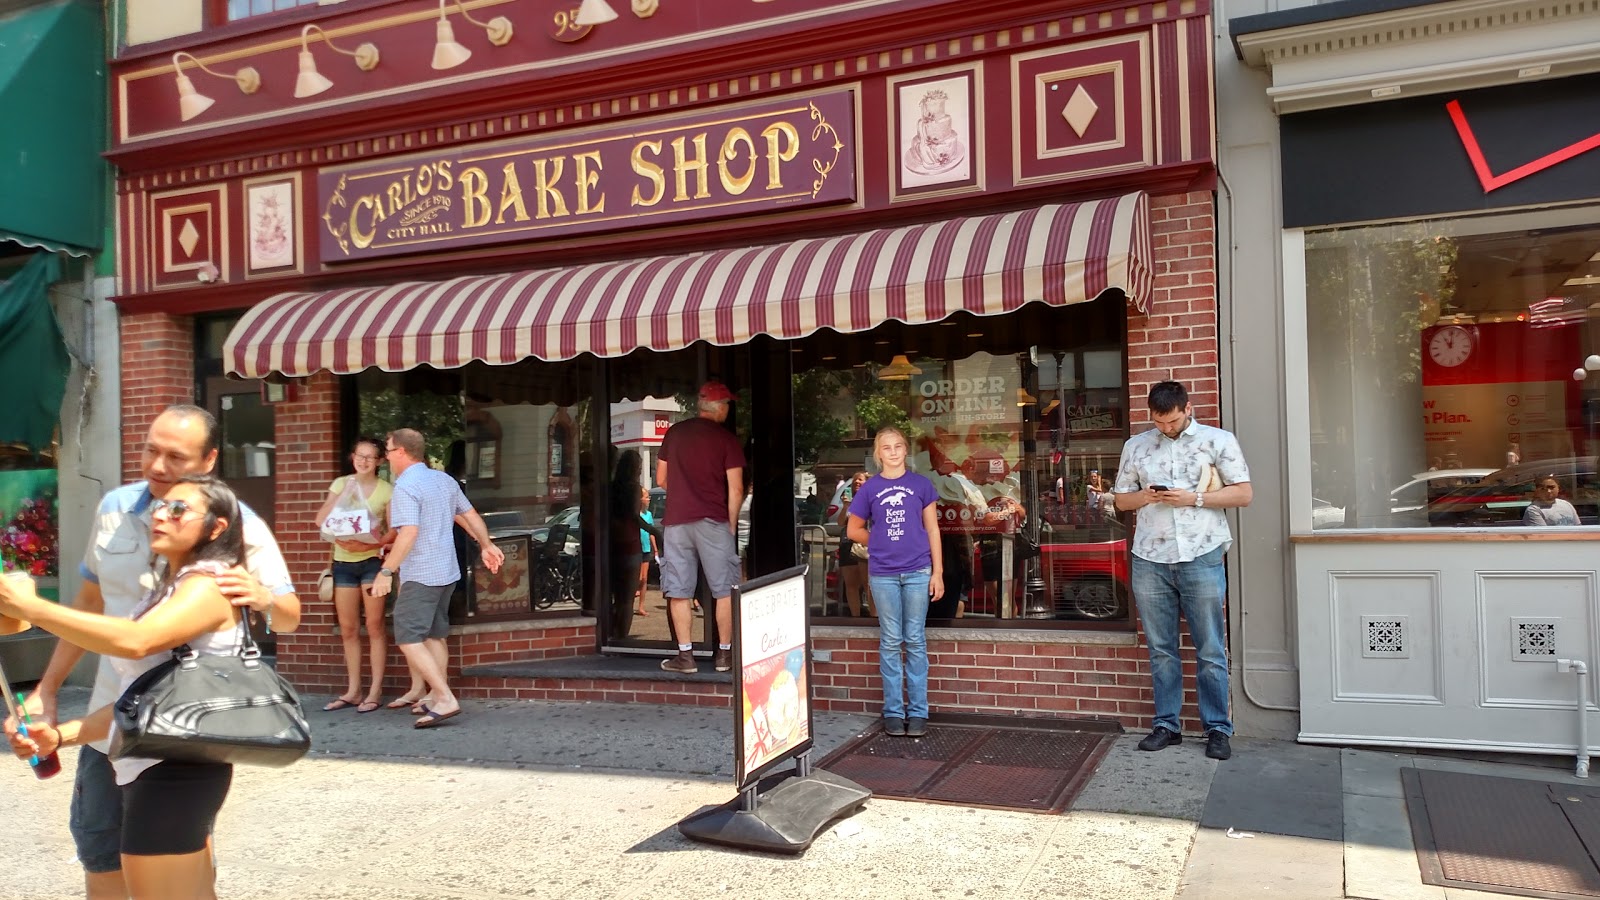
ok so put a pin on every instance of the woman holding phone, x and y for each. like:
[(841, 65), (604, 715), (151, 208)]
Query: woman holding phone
[(168, 807), (895, 514)]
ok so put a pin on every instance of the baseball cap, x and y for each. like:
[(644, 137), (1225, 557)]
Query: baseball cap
[(715, 392)]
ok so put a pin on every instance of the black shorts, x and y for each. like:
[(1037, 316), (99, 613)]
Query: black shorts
[(170, 808)]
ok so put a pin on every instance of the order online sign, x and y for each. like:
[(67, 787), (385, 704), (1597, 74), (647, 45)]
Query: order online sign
[(772, 673)]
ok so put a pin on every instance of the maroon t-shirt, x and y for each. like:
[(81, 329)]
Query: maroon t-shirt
[(698, 453)]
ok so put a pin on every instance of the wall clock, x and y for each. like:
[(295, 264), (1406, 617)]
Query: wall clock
[(1450, 346)]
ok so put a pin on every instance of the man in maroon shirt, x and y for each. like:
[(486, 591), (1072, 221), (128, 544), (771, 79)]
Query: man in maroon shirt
[(701, 466)]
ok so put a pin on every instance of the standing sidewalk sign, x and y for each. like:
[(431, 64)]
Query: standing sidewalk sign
[(772, 725)]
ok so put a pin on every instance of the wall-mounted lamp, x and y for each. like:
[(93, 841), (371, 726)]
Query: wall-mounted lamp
[(898, 369), (447, 53), (1026, 399), (192, 103), (311, 82), (595, 12)]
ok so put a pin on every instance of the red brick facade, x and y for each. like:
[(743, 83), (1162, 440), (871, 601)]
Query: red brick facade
[(1178, 339)]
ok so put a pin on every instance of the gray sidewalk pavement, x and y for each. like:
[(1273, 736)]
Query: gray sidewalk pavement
[(580, 800)]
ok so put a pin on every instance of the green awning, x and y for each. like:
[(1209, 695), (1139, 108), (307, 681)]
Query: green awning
[(52, 126), (33, 356)]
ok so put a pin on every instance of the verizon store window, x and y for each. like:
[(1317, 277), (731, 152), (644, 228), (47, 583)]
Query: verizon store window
[(1455, 372)]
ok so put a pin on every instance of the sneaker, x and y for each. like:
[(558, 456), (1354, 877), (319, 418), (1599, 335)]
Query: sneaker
[(1217, 746), (916, 726), (1160, 738), (723, 659), (683, 662), (894, 725)]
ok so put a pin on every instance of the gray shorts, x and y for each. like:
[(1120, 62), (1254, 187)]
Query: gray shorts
[(422, 611), (706, 545), (95, 818)]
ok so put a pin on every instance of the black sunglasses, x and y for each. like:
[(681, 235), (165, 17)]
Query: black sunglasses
[(173, 510)]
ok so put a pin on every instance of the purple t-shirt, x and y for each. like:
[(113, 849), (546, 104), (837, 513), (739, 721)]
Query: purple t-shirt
[(892, 507)]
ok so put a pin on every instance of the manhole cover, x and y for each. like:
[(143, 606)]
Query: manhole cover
[(1510, 835), (1002, 767)]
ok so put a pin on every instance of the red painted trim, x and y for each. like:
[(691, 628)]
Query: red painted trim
[(1480, 165)]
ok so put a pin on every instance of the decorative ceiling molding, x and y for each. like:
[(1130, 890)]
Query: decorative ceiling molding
[(1429, 49)]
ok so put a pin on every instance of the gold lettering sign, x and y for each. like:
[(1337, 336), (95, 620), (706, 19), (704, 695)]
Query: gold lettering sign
[(774, 155)]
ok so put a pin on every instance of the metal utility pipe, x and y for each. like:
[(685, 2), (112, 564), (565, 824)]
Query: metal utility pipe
[(1581, 669)]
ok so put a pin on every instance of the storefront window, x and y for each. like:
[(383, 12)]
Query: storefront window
[(1022, 448), (244, 9), (1448, 376)]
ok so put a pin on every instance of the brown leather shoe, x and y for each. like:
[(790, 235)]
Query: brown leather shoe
[(683, 662), (723, 660)]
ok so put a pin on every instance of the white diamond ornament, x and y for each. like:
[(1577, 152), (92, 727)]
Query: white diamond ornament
[(1080, 110), (188, 237)]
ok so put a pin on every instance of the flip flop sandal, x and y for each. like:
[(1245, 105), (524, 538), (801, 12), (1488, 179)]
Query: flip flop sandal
[(399, 703), (369, 706), (432, 719), (339, 703)]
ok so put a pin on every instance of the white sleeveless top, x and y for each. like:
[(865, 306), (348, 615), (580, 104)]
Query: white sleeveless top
[(228, 642)]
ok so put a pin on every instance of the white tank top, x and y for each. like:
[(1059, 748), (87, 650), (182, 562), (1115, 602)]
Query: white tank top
[(228, 642)]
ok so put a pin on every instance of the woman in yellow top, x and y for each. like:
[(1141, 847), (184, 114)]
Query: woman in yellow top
[(355, 566)]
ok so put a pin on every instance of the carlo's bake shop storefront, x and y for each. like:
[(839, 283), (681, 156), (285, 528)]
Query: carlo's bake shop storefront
[(995, 237)]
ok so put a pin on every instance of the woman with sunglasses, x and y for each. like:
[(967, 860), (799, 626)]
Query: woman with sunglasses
[(168, 807), (355, 567)]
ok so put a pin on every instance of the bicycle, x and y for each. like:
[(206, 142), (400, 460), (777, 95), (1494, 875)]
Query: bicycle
[(554, 578)]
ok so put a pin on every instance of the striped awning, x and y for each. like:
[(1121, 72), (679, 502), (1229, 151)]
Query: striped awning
[(986, 265)]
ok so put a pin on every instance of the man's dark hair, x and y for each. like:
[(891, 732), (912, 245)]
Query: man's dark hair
[(221, 503), (1166, 396), (190, 411)]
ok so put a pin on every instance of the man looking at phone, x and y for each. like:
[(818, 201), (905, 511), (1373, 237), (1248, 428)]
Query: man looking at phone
[(1170, 475), (117, 574)]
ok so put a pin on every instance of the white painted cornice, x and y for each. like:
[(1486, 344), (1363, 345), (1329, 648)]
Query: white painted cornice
[(1437, 48)]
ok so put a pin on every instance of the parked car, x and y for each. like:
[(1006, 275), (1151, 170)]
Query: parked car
[(1500, 498), (568, 517), (1408, 503)]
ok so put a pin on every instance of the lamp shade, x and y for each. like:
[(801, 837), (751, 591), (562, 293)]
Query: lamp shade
[(447, 54), (595, 12), (1026, 399), (191, 103), (310, 82), (898, 369)]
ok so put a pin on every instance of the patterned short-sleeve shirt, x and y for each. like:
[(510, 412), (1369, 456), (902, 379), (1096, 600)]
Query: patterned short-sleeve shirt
[(1171, 534), (430, 500)]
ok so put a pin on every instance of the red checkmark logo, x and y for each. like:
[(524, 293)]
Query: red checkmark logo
[(1491, 181)]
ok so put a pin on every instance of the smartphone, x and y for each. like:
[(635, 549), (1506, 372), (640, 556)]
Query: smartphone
[(1159, 487)]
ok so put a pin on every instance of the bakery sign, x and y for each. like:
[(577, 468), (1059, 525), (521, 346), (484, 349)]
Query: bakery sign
[(781, 154)]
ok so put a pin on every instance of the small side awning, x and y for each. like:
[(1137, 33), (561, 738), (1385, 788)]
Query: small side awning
[(985, 265)]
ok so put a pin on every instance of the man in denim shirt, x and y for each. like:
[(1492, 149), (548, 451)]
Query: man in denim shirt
[(1180, 476)]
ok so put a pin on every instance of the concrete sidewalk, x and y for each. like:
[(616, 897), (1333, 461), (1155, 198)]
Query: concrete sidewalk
[(520, 799)]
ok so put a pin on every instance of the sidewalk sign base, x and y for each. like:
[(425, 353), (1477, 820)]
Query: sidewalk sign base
[(785, 819)]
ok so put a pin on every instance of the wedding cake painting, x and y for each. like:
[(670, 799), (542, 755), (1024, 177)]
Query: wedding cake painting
[(271, 226), (935, 133)]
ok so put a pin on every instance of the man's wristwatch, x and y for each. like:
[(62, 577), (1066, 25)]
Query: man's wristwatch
[(386, 572), (1199, 500)]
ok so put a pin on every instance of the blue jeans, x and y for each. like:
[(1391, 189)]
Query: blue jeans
[(1198, 589), (902, 603)]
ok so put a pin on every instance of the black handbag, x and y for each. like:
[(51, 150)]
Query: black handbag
[(213, 709)]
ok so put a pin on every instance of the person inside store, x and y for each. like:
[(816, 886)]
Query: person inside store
[(116, 571), (628, 500), (1178, 566), (895, 514), (425, 504), (1548, 508), (701, 467), (852, 573), (650, 547), (168, 807), (356, 561)]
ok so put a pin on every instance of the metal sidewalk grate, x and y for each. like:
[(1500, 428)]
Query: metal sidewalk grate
[(999, 767), (1509, 835)]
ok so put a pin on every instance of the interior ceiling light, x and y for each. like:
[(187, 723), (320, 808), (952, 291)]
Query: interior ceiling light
[(447, 52), (310, 82), (595, 12), (898, 369), (1026, 399), (191, 102)]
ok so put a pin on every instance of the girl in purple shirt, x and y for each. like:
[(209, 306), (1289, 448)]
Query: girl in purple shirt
[(895, 514)]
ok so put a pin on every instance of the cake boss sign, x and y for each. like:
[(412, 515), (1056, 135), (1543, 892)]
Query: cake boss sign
[(788, 153)]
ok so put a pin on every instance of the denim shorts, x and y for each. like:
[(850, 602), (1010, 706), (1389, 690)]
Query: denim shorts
[(356, 574), (706, 544), (96, 813)]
